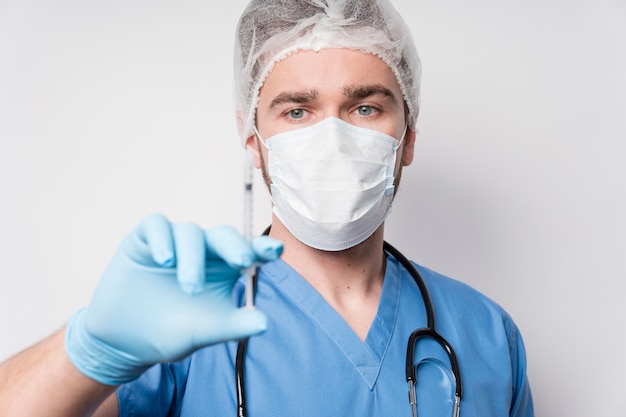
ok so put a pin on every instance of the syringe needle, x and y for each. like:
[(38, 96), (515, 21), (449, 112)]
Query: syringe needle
[(247, 224)]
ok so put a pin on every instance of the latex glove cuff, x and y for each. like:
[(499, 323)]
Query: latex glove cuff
[(96, 359)]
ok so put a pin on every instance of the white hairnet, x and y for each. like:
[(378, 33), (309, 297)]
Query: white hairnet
[(270, 30)]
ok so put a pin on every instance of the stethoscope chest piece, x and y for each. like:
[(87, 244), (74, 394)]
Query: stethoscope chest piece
[(416, 336), (434, 389)]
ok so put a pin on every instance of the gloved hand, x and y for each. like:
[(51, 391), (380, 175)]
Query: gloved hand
[(165, 294)]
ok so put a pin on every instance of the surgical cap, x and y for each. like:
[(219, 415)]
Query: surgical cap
[(271, 30)]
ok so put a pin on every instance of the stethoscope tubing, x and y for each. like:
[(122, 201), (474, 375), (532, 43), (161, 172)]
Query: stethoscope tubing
[(425, 332)]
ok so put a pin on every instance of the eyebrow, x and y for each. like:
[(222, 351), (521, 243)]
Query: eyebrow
[(294, 97), (364, 91), (355, 92)]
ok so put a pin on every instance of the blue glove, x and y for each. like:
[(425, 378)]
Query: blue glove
[(165, 294)]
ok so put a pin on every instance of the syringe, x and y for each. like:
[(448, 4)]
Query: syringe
[(247, 223)]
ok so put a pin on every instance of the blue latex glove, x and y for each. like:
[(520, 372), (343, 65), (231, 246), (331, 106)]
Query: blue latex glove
[(165, 294)]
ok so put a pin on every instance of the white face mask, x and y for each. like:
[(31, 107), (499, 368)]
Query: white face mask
[(332, 182)]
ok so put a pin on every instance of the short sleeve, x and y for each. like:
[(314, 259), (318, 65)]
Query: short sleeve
[(522, 404), (156, 393)]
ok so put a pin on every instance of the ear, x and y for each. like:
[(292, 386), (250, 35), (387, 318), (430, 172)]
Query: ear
[(408, 148), (253, 144)]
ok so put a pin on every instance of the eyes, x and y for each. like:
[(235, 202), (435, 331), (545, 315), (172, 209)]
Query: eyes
[(296, 114), (365, 111)]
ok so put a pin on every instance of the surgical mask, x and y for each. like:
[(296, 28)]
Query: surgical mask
[(332, 182)]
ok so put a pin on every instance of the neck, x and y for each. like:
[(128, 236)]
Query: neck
[(349, 280)]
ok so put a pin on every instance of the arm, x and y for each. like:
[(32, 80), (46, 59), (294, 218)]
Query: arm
[(41, 381), (165, 294)]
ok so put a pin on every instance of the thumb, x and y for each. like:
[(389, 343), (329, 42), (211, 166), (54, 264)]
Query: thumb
[(238, 324)]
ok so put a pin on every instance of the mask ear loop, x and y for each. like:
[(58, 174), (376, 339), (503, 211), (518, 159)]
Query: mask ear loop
[(258, 135), (406, 127)]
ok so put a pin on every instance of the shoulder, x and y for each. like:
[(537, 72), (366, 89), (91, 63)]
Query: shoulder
[(487, 340), (453, 294), (460, 306)]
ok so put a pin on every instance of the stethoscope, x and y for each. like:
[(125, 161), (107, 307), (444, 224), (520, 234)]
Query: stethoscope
[(427, 332)]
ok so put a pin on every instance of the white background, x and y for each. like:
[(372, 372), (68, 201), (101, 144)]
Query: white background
[(112, 110)]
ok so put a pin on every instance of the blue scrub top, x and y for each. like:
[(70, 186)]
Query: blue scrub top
[(311, 363)]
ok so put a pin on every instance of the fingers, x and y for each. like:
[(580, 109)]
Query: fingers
[(176, 245), (155, 231), (220, 251), (191, 256), (228, 244), (238, 324), (224, 242), (196, 253), (266, 248)]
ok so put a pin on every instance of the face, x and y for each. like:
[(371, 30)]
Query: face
[(353, 86)]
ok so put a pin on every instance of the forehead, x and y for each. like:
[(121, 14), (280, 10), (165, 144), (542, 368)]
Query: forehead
[(328, 70)]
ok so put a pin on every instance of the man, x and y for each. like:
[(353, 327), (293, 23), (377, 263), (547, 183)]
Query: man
[(327, 100)]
